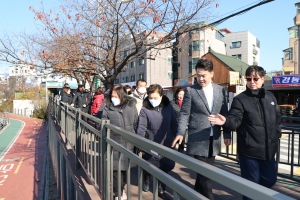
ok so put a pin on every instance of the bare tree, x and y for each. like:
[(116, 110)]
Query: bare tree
[(87, 39)]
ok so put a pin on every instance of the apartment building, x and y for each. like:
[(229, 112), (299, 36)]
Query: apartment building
[(21, 70), (290, 60), (190, 47), (154, 66), (243, 45)]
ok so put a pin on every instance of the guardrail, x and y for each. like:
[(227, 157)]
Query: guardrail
[(94, 153), (4, 120), (292, 150)]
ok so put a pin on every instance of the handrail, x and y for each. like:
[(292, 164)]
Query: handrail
[(223, 177), (95, 156)]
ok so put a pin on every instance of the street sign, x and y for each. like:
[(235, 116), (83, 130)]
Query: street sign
[(286, 80)]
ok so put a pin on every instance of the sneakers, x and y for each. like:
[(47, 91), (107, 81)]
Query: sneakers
[(146, 186), (123, 197)]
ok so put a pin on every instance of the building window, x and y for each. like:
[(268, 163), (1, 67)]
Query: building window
[(293, 32), (298, 8), (125, 54), (236, 44), (219, 36), (170, 61), (257, 43), (288, 54), (190, 34), (239, 56), (12, 71), (126, 79), (116, 81), (194, 61), (132, 64), (190, 67), (196, 45), (190, 50), (132, 78), (141, 62), (141, 76)]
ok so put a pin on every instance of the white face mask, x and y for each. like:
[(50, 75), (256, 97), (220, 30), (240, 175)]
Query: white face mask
[(154, 102), (142, 90), (115, 101)]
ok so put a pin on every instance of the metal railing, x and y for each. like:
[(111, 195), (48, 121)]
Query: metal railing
[(4, 120), (291, 149), (94, 153)]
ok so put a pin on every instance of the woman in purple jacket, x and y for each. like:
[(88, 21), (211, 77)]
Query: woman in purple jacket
[(157, 122)]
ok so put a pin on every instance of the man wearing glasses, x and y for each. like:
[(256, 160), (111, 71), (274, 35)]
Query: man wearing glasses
[(255, 116)]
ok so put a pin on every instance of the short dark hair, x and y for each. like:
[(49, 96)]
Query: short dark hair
[(125, 87), (205, 64), (257, 69), (155, 88), (177, 92), (120, 91), (99, 91), (140, 80)]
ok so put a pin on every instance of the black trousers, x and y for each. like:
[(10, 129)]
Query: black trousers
[(203, 184), (123, 182)]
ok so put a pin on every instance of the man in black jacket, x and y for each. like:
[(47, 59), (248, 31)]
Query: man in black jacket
[(82, 99), (255, 116)]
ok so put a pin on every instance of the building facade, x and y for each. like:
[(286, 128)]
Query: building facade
[(290, 60), (243, 45), (190, 47), (154, 66)]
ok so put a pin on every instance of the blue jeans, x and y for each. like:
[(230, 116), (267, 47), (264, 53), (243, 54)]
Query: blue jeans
[(262, 172)]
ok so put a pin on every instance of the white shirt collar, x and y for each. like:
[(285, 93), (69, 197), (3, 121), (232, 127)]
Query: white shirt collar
[(208, 87)]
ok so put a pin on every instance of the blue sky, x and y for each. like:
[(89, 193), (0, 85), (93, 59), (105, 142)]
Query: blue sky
[(268, 23)]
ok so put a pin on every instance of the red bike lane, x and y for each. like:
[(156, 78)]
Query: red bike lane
[(21, 166)]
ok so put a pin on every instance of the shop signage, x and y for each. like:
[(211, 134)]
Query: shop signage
[(286, 81)]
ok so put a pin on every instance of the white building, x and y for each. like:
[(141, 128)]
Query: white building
[(21, 70), (244, 45), (2, 76)]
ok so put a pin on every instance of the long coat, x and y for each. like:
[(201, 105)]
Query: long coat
[(256, 118), (125, 117), (194, 113), (176, 107), (82, 98), (66, 98), (159, 123)]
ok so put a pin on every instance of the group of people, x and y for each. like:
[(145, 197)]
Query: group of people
[(202, 110)]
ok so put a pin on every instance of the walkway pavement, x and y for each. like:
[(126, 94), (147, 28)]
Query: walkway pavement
[(22, 145)]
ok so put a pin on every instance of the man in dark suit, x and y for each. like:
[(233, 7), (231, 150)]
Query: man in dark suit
[(202, 99)]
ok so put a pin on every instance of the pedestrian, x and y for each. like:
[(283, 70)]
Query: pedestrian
[(120, 109), (157, 122), (82, 100), (201, 100), (177, 101), (97, 101), (140, 93), (127, 89), (66, 95), (177, 104), (255, 116)]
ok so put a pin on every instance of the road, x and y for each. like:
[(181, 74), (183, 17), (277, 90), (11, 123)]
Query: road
[(22, 145)]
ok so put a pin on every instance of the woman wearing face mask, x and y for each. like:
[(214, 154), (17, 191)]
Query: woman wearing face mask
[(121, 111), (177, 102), (157, 122)]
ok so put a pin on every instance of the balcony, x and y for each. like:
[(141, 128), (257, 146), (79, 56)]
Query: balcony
[(255, 51)]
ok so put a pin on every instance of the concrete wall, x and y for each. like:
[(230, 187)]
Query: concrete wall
[(23, 107)]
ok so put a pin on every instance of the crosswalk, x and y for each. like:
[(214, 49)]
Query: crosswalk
[(285, 154)]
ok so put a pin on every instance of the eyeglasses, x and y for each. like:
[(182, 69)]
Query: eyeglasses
[(250, 79)]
